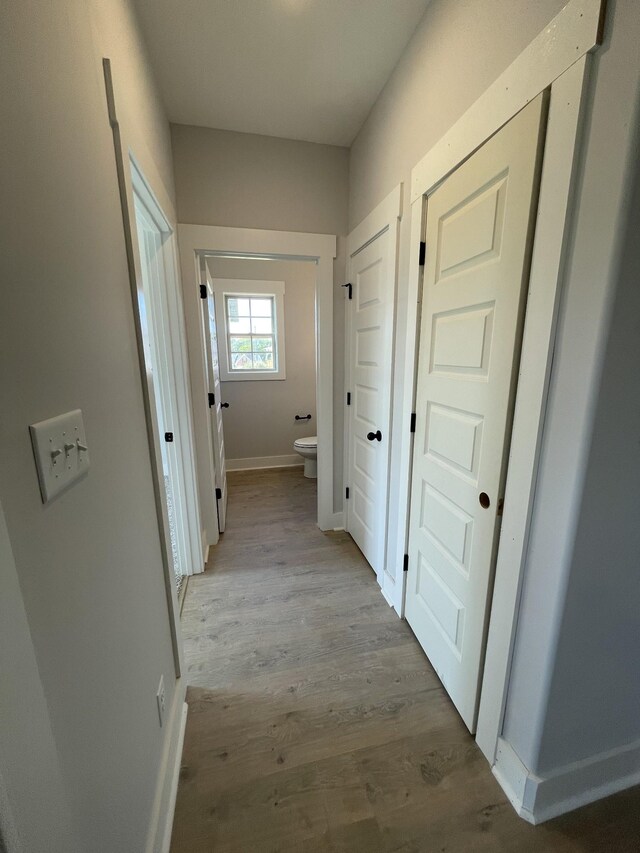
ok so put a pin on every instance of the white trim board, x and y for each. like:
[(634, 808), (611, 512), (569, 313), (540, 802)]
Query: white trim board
[(575, 31), (161, 823), (385, 216), (123, 156), (254, 463), (541, 798), (557, 60), (215, 240)]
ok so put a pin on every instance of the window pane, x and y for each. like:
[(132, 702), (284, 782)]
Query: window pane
[(262, 344), (240, 344), (261, 325), (237, 307), (241, 361), (239, 327), (261, 307), (263, 361)]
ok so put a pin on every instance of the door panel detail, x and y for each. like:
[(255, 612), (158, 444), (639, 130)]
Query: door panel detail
[(481, 221)]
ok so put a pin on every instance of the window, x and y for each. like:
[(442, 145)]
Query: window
[(253, 315), (251, 329)]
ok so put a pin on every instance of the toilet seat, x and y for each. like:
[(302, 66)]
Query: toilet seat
[(311, 441)]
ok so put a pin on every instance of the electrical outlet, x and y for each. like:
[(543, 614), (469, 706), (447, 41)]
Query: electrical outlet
[(160, 696)]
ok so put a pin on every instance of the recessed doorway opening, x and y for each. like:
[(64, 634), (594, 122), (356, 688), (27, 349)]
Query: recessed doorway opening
[(271, 298)]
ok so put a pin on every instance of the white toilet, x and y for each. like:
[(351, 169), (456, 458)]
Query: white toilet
[(308, 449)]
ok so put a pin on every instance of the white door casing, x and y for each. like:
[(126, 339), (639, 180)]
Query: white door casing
[(479, 236), (210, 336), (370, 306), (214, 240), (162, 336)]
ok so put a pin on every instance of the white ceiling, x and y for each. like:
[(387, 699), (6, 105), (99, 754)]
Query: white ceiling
[(301, 69)]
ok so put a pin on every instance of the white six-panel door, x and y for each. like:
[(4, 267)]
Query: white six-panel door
[(210, 336), (478, 235), (369, 376)]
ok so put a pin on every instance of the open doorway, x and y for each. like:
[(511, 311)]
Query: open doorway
[(265, 313), (271, 294)]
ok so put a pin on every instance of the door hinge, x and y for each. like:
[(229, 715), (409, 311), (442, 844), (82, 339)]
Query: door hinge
[(203, 291), (412, 428), (218, 494), (348, 398), (346, 493), (211, 398), (349, 287), (168, 436), (423, 253), (405, 563)]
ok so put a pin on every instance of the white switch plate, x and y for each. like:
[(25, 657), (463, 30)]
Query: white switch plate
[(61, 452)]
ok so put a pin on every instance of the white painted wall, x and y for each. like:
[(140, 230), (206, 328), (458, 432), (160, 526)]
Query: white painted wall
[(89, 564), (260, 420), (249, 181), (580, 607)]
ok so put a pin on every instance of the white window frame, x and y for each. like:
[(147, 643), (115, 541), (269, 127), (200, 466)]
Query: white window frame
[(223, 287)]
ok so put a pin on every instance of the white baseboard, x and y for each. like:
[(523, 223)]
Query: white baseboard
[(161, 825), (386, 596), (540, 798), (254, 463)]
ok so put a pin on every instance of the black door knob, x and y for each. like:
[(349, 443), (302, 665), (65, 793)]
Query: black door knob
[(374, 436), (224, 405)]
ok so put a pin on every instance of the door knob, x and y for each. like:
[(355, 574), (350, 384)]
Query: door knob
[(224, 405), (374, 436), (484, 499)]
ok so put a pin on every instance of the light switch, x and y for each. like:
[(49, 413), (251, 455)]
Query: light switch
[(61, 452)]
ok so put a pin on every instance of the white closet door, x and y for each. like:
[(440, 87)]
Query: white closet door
[(210, 335), (479, 236), (370, 359)]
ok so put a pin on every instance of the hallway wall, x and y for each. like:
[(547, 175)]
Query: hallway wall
[(89, 564), (260, 420), (249, 181)]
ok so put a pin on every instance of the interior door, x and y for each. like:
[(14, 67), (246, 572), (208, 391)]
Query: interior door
[(210, 334), (479, 234), (370, 359), (153, 312)]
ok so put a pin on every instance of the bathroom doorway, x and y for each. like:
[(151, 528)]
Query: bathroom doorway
[(267, 352), (273, 295)]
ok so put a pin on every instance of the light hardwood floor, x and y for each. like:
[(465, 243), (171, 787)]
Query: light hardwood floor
[(316, 722)]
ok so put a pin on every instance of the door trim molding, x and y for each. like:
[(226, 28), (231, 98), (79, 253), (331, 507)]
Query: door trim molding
[(575, 31), (384, 217), (558, 60), (195, 240), (125, 188)]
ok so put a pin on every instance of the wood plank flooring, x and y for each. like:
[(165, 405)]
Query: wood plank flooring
[(316, 722)]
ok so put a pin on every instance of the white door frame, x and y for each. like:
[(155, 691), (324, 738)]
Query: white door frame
[(385, 217), (212, 240), (175, 377), (125, 187), (558, 60)]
